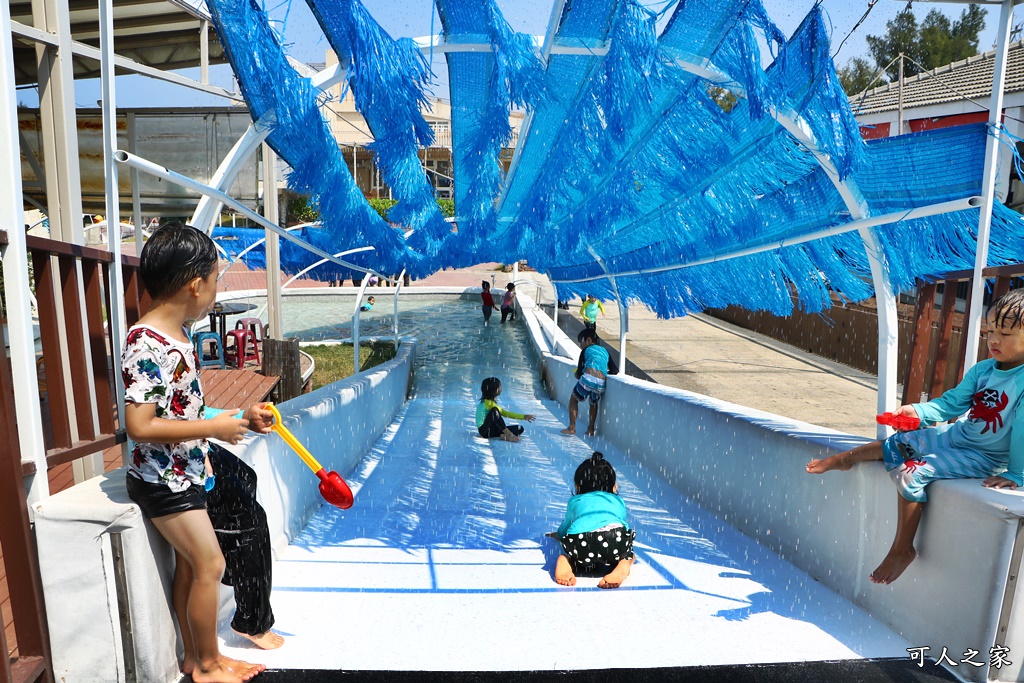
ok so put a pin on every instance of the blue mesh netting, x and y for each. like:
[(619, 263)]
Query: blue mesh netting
[(632, 160)]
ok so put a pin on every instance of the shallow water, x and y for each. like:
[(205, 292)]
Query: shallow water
[(442, 563)]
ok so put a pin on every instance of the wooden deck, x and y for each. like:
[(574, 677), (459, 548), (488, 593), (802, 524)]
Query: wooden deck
[(235, 388), (221, 388)]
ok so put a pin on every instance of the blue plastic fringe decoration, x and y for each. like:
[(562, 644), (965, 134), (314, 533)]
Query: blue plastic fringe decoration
[(388, 79), (632, 163), (513, 75), (277, 94)]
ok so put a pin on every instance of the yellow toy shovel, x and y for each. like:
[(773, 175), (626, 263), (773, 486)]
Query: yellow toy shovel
[(332, 487)]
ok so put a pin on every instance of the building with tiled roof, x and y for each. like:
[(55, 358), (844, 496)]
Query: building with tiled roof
[(951, 95)]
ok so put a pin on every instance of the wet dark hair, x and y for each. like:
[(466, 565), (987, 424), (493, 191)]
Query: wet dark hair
[(510, 286), (173, 256), (489, 388), (595, 474), (485, 284), (587, 333), (1008, 310)]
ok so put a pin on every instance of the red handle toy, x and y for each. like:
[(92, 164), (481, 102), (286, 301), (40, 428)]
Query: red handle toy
[(901, 423)]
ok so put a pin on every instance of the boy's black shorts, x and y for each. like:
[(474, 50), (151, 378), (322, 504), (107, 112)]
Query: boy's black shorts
[(158, 500)]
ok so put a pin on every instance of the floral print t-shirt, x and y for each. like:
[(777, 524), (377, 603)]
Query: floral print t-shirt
[(164, 371)]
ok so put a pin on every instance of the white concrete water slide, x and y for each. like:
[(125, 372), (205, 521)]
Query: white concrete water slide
[(442, 563)]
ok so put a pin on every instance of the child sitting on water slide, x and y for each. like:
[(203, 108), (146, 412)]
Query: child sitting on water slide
[(988, 444), (595, 535), (164, 421), (488, 414)]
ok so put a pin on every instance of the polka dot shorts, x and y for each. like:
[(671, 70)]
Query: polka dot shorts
[(599, 548)]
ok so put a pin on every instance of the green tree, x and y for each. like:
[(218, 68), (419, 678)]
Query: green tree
[(857, 76), (901, 36), (936, 41)]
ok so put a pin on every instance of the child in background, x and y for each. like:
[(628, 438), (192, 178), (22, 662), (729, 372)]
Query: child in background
[(589, 310), (592, 371), (989, 443), (488, 414), (595, 534), (164, 420), (488, 300), (508, 304), (368, 306)]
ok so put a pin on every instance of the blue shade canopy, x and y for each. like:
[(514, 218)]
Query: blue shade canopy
[(671, 170)]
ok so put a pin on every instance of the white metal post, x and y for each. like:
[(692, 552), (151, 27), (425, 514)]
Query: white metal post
[(15, 263), (355, 322), (623, 329), (136, 190), (118, 327), (398, 288), (273, 244), (988, 185), (59, 122)]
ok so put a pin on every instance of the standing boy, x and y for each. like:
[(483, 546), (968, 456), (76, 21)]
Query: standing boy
[(164, 420), (592, 372), (589, 310)]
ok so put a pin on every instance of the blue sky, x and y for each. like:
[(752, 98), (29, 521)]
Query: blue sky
[(305, 42)]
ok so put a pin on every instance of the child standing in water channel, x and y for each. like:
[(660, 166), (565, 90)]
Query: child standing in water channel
[(595, 535), (487, 299), (988, 443)]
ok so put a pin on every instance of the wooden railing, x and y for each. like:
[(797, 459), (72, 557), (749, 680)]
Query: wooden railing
[(82, 412), (85, 339), (938, 353)]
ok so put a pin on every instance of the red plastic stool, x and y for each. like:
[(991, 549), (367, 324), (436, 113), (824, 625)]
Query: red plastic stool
[(253, 324), (240, 351)]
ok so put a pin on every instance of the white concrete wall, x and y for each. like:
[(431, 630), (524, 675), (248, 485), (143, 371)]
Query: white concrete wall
[(747, 468), (337, 423)]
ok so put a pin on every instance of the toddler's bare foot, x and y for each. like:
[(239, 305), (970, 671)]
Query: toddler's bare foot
[(892, 566), (617, 575), (835, 462), (563, 572), (268, 640), (591, 432), (569, 431), (226, 670)]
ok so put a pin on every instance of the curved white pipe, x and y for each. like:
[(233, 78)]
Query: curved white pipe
[(158, 171), (302, 272)]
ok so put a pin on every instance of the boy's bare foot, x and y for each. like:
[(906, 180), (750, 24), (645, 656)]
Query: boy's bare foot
[(510, 437), (834, 462), (894, 564), (591, 432), (617, 575), (226, 670), (569, 431), (268, 640), (563, 572)]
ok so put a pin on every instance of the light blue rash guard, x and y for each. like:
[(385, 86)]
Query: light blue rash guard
[(592, 511)]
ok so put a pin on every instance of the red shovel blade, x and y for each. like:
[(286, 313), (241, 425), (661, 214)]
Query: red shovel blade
[(334, 489)]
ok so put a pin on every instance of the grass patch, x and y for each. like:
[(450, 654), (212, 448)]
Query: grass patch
[(335, 361)]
